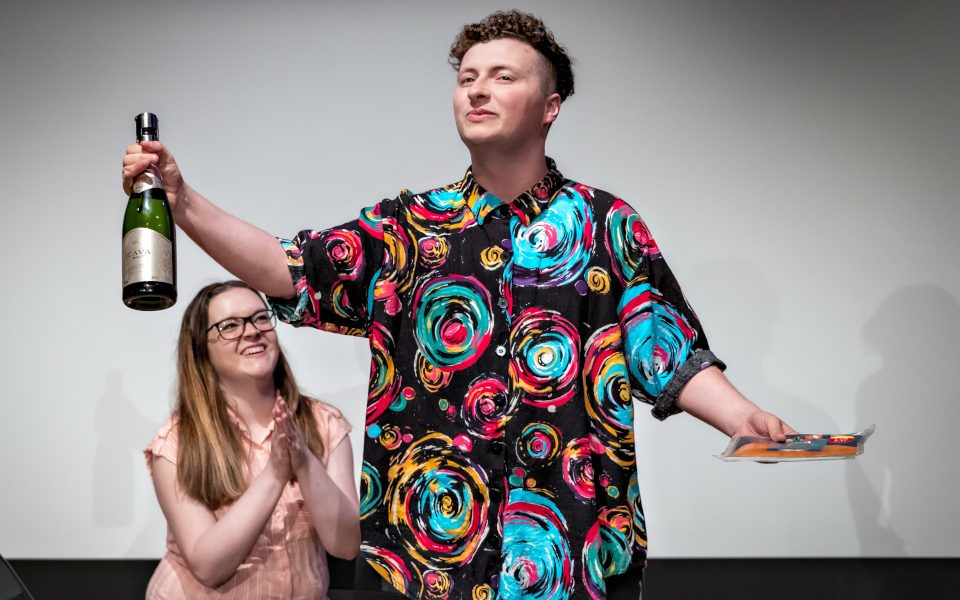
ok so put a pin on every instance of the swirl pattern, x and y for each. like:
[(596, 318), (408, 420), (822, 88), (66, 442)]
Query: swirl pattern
[(556, 248), (482, 592), (598, 280), (371, 222), (607, 550), (442, 210), (578, 469), (432, 377), (629, 242), (385, 382), (388, 565), (371, 490), (436, 584), (606, 385), (341, 302), (658, 337), (539, 443), (345, 252), (433, 251), (453, 321), (545, 361), (439, 502), (486, 407), (397, 272), (390, 437), (537, 563), (491, 257)]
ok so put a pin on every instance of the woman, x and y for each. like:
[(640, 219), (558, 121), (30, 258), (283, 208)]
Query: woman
[(255, 480)]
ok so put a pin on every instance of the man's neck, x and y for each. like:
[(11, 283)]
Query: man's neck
[(507, 175)]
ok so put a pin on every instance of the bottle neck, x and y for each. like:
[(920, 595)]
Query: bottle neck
[(148, 180)]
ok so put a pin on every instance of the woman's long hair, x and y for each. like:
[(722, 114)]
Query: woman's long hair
[(211, 465)]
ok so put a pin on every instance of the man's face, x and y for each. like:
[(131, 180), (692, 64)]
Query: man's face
[(500, 101)]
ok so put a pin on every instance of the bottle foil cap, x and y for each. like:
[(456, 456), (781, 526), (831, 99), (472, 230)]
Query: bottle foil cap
[(148, 127)]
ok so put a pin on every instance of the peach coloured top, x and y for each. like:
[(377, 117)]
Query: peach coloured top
[(287, 560)]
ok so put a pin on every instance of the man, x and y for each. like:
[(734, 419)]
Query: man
[(512, 318)]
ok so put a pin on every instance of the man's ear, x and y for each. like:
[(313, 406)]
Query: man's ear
[(551, 109)]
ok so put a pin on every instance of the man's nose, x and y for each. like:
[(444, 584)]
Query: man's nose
[(478, 90)]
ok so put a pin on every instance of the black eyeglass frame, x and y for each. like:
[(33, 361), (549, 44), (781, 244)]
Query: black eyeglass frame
[(243, 324)]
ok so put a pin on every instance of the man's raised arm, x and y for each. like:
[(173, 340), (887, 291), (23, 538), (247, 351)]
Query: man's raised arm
[(248, 252), (710, 397)]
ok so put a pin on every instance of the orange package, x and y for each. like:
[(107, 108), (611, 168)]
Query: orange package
[(799, 446)]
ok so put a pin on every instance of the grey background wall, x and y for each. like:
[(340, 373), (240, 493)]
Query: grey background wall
[(797, 161)]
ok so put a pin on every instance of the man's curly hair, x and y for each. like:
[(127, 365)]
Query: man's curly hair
[(522, 26)]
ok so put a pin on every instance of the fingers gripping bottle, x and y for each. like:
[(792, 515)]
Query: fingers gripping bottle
[(149, 242)]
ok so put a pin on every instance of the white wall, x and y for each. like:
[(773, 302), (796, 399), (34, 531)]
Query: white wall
[(797, 161)]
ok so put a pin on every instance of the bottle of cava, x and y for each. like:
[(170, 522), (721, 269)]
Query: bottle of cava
[(149, 243)]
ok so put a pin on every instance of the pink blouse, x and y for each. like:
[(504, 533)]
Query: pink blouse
[(287, 560)]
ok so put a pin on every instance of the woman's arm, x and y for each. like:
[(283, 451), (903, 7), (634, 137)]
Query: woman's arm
[(212, 549), (330, 491), (331, 497)]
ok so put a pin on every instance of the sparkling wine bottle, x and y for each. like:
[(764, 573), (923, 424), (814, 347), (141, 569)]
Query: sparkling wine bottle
[(149, 243)]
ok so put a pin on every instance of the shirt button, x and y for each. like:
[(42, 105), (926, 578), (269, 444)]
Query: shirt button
[(501, 351), (497, 447), (502, 302)]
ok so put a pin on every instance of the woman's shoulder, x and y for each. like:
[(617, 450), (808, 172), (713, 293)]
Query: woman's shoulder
[(324, 412), (164, 443), (331, 424)]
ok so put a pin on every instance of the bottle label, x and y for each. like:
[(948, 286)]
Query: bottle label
[(147, 180), (147, 256)]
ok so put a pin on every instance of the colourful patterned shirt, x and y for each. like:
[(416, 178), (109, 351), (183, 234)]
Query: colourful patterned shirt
[(507, 342)]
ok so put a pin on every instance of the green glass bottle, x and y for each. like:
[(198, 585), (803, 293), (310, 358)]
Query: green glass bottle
[(149, 242)]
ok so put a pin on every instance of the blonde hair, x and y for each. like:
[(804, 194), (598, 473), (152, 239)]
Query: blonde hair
[(211, 466)]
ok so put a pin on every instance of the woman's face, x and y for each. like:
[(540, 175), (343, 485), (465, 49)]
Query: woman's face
[(252, 355)]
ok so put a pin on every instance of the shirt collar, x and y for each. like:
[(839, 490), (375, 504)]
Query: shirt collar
[(526, 206)]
